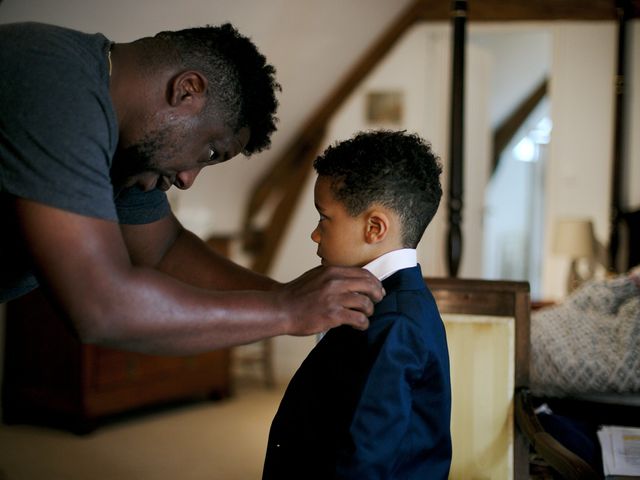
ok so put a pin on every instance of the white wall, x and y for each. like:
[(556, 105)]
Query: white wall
[(579, 171), (632, 139), (521, 54)]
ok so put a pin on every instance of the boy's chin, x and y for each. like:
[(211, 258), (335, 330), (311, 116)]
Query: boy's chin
[(327, 263)]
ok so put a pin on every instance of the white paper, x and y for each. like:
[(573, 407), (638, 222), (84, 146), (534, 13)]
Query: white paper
[(620, 450)]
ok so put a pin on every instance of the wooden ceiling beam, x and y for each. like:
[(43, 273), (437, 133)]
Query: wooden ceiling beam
[(523, 10)]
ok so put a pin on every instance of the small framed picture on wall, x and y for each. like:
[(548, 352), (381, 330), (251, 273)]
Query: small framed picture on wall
[(385, 107)]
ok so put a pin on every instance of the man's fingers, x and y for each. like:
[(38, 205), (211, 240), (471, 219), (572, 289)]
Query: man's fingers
[(356, 319), (326, 297), (371, 288), (361, 281), (356, 308), (358, 302)]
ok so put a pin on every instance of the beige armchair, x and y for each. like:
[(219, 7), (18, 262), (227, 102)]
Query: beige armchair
[(487, 324)]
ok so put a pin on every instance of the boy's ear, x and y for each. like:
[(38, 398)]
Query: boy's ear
[(188, 89), (377, 226)]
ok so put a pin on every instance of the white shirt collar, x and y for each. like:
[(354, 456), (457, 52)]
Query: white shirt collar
[(386, 265)]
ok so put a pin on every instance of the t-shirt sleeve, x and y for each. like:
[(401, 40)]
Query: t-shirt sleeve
[(136, 207), (58, 129)]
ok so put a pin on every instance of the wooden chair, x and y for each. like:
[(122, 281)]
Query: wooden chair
[(556, 455), (487, 324)]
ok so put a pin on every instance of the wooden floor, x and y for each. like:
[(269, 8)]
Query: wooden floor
[(222, 440)]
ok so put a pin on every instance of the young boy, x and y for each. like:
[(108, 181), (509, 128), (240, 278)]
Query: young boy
[(372, 404)]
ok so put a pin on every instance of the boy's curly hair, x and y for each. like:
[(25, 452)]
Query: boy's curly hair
[(392, 168), (242, 84)]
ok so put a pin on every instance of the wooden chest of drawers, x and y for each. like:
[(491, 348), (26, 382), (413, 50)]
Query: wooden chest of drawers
[(51, 378)]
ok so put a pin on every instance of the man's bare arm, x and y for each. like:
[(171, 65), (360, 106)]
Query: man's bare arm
[(172, 249), (85, 264)]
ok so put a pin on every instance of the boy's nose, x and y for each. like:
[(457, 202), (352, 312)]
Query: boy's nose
[(315, 236), (185, 178)]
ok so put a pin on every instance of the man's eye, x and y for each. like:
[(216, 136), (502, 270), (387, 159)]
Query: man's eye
[(213, 155)]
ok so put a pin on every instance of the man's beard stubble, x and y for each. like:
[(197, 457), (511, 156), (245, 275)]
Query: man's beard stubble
[(137, 158)]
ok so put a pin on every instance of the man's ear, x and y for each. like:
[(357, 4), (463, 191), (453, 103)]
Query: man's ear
[(377, 226), (188, 89)]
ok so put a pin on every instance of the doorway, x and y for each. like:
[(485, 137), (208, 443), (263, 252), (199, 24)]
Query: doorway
[(514, 205), (513, 215)]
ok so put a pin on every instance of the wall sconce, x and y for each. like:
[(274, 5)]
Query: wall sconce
[(574, 238)]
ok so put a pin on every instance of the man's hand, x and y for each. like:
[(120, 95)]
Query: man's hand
[(326, 297)]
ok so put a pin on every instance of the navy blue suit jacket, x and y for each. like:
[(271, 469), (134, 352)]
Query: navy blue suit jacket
[(373, 404)]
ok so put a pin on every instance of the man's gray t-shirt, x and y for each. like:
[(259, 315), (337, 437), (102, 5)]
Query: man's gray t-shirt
[(58, 135)]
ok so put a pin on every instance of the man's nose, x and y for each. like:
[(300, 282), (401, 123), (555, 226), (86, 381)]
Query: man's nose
[(185, 178)]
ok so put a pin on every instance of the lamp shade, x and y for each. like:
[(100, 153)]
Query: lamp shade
[(574, 238)]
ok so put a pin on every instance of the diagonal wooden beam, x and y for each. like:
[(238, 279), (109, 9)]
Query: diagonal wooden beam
[(508, 128), (529, 10)]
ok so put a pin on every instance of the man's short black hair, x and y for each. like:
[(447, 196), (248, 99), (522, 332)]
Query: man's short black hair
[(395, 169), (242, 84)]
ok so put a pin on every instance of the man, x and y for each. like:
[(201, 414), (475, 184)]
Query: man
[(91, 135)]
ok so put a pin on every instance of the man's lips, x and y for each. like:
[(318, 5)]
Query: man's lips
[(153, 181), (148, 184), (164, 183)]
